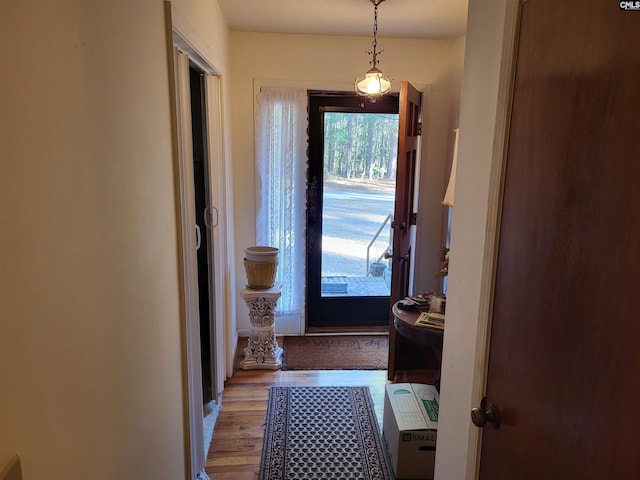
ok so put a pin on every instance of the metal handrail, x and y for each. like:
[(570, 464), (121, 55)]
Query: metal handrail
[(375, 237)]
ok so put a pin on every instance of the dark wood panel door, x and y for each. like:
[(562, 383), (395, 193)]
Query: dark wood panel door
[(408, 141), (564, 358)]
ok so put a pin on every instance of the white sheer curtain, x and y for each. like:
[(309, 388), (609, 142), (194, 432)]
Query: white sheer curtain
[(281, 164)]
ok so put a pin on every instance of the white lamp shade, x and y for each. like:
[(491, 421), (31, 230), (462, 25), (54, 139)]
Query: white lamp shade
[(373, 85), (451, 187)]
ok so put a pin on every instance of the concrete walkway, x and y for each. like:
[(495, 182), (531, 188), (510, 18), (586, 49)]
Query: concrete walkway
[(343, 286)]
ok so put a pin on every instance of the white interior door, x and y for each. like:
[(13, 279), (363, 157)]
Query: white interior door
[(218, 246), (189, 263)]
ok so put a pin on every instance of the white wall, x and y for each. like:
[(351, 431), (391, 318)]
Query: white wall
[(90, 342), (207, 22), (482, 112), (456, 78), (434, 176), (333, 62)]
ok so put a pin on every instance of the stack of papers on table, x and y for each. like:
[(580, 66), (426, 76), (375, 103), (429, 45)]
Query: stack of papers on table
[(432, 320)]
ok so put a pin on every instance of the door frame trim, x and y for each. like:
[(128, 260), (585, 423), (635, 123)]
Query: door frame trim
[(487, 91), (494, 209)]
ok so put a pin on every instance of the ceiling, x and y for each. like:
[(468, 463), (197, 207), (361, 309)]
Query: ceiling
[(435, 19)]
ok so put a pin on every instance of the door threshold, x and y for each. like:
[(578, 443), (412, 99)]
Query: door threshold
[(375, 330)]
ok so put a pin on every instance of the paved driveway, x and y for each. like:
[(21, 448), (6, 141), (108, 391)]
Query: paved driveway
[(352, 215)]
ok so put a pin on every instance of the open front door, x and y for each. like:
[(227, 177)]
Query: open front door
[(409, 130), (350, 201), (564, 361)]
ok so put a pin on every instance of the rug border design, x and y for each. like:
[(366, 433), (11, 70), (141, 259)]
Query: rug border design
[(273, 465)]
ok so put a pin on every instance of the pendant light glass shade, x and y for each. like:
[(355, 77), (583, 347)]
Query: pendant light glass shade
[(373, 85)]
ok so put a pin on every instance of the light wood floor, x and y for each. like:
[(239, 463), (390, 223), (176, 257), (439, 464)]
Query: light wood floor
[(236, 447)]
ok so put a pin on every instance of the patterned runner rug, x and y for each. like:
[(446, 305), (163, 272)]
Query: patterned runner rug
[(335, 352), (322, 433)]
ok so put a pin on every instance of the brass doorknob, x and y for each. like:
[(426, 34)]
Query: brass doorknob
[(486, 413), (405, 257)]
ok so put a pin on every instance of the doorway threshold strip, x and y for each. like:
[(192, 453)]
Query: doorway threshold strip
[(322, 432)]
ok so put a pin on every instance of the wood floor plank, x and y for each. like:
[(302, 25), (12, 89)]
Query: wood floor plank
[(234, 460)]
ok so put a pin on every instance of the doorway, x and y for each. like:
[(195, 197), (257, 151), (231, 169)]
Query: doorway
[(350, 203), (203, 235), (206, 125)]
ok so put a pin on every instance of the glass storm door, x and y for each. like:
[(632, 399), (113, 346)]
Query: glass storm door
[(351, 196)]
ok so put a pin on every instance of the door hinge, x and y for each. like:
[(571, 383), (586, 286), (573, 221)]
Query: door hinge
[(414, 218), (418, 129)]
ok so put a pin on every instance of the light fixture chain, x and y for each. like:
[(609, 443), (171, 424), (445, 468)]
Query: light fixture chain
[(375, 24), (375, 34)]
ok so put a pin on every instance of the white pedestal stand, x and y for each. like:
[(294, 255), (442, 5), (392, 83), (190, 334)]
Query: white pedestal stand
[(262, 351)]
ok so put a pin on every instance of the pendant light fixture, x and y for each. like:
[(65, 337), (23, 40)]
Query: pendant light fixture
[(373, 85)]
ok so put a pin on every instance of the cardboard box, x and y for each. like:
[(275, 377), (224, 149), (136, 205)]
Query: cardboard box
[(410, 427)]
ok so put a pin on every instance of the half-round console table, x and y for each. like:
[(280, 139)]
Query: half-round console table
[(418, 350)]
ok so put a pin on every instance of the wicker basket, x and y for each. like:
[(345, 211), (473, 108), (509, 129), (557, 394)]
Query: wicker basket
[(260, 275)]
